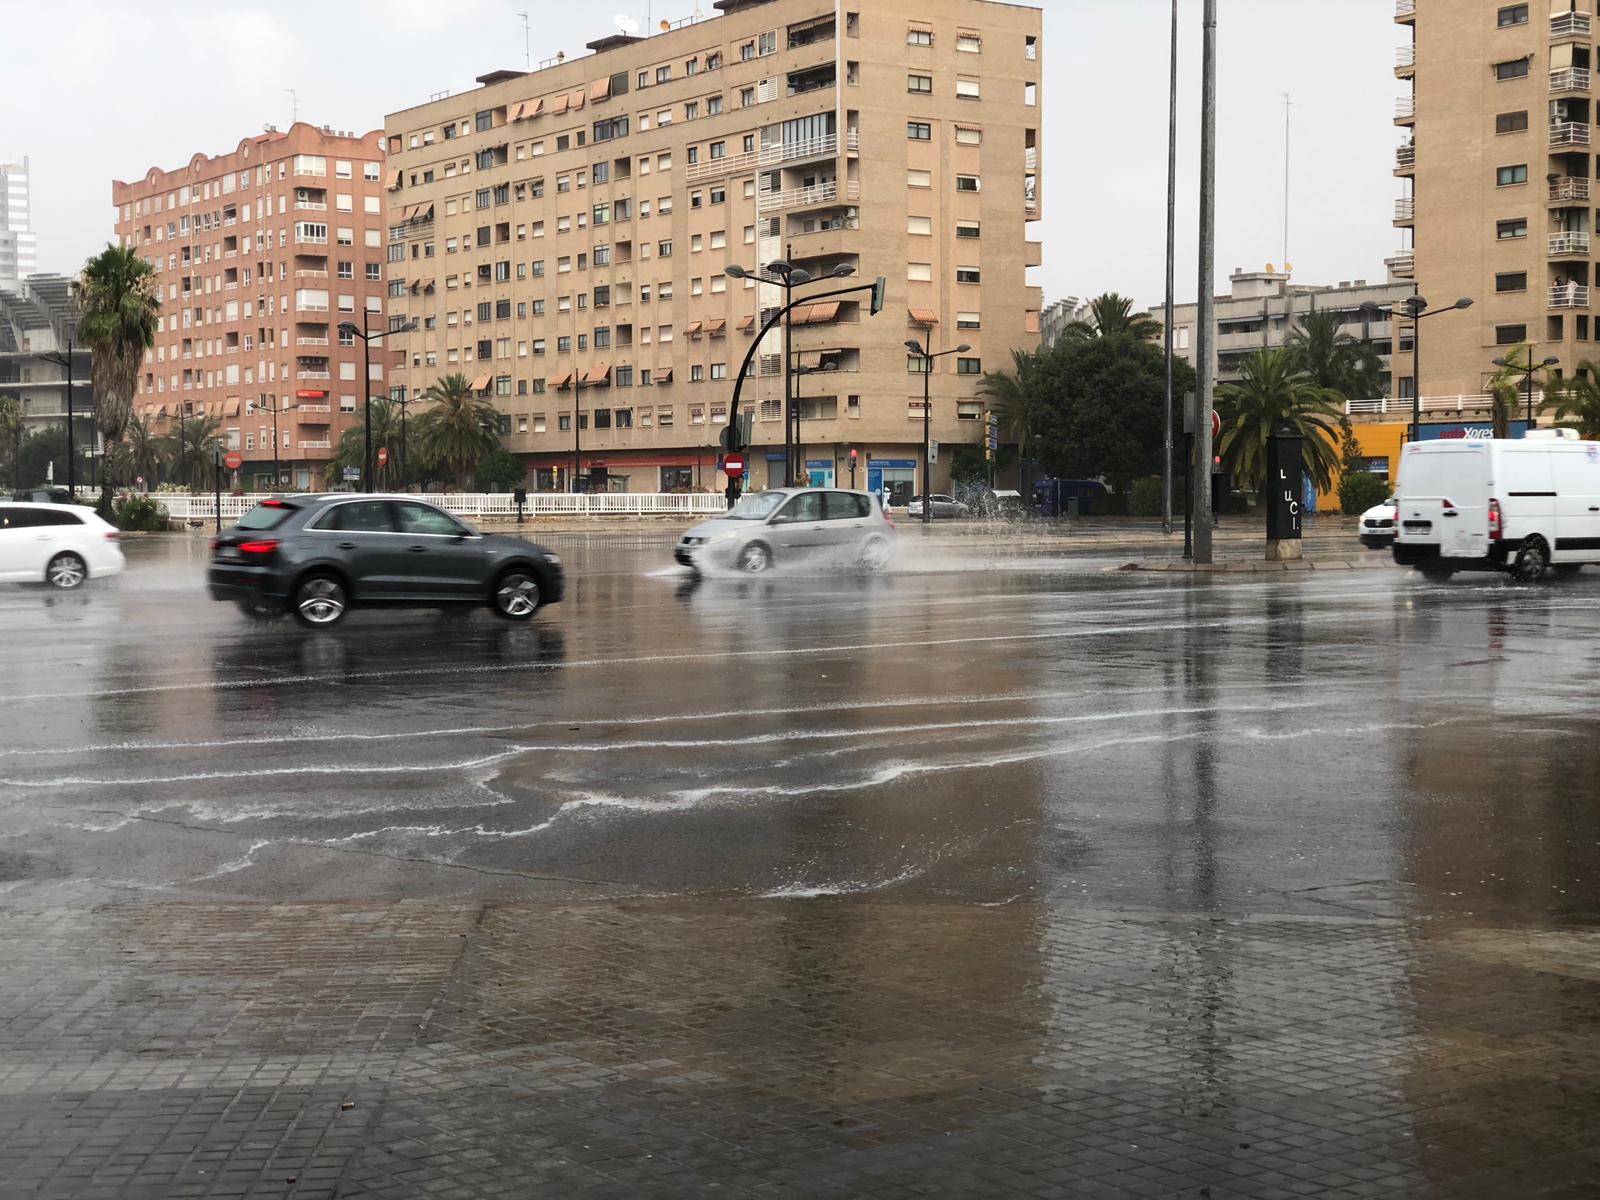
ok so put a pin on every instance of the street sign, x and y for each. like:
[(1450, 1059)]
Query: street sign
[(933, 451), (311, 394), (351, 474), (1216, 423), (383, 456), (233, 460), (733, 465)]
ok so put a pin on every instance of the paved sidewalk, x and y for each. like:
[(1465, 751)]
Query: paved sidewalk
[(845, 1047), (1257, 566)]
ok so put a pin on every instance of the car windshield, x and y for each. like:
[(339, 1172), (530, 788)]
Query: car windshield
[(269, 514), (756, 507)]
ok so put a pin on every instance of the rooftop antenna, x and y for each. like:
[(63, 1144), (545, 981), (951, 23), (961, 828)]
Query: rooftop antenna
[(294, 103), (1287, 105), (527, 51)]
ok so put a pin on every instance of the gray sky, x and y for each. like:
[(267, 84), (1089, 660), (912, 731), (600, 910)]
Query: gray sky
[(1105, 118)]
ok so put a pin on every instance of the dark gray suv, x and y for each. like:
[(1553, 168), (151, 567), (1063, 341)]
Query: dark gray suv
[(318, 556)]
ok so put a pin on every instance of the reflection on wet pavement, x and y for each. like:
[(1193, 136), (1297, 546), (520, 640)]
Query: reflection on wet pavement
[(1018, 880)]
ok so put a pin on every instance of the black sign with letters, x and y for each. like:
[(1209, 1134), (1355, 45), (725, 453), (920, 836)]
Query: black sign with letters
[(1284, 487)]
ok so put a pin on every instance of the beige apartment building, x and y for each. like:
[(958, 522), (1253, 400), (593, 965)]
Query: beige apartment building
[(1496, 171), (563, 237), (263, 252)]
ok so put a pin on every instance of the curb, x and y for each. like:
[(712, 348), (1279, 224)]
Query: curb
[(1251, 567)]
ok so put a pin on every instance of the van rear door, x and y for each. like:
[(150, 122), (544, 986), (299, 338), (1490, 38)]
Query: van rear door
[(1577, 482), (1444, 498)]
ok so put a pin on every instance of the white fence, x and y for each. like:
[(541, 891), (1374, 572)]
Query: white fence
[(479, 505), (1402, 405)]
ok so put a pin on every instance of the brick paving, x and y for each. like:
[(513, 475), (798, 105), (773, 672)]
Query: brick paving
[(841, 1047)]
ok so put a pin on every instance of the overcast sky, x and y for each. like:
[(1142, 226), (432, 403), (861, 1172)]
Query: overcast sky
[(99, 95)]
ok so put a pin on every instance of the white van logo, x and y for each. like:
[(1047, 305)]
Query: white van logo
[(1592, 453)]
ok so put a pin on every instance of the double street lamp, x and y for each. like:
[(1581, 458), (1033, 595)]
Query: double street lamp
[(787, 276), (360, 331), (275, 407), (927, 357), (64, 360), (1416, 308), (398, 397), (1527, 370)]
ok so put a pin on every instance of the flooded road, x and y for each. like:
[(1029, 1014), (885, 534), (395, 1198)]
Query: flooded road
[(996, 874)]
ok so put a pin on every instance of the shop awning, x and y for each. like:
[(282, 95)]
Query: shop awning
[(480, 383), (716, 326), (598, 375), (564, 382), (822, 313), (745, 324), (693, 328), (664, 375), (394, 180), (600, 89), (559, 104), (924, 317)]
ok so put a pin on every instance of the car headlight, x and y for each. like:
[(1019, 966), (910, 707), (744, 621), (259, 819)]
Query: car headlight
[(693, 541)]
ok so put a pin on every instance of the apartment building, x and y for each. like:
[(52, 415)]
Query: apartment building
[(19, 249), (563, 238), (263, 252), (1262, 308), (1495, 172), (38, 322)]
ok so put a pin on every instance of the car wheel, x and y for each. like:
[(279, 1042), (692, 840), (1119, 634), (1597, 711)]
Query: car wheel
[(875, 554), (260, 610), (1437, 574), (755, 558), (516, 595), (1533, 560), (320, 601), (66, 571)]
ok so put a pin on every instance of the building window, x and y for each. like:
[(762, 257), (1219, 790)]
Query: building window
[(1511, 281), (919, 225), (967, 89), (922, 84), (969, 366), (1512, 14), (968, 229), (967, 183), (1505, 230), (917, 36), (919, 179), (1509, 176), (968, 275), (968, 320), (919, 131), (1510, 335), (969, 43), (1517, 68), (1511, 122), (919, 272), (969, 135)]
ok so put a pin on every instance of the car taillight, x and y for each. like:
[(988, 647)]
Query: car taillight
[(112, 535), (264, 546), (215, 542), (1497, 527)]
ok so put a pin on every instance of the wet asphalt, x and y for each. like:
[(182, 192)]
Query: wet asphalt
[(977, 726)]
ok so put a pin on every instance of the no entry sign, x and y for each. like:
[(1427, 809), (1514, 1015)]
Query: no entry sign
[(233, 460), (733, 465)]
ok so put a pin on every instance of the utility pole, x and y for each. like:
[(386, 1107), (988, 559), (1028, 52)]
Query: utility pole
[(1205, 317), (1172, 246), (1288, 104)]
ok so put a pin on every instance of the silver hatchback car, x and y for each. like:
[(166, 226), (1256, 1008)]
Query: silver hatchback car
[(789, 525)]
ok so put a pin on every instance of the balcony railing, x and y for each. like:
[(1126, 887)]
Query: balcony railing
[(1030, 158), (1569, 190), (312, 375), (820, 193), (1569, 295), (1405, 57), (1569, 133), (1569, 79), (1405, 108), (1403, 264), (311, 341), (316, 444), (1405, 157), (1405, 209), (825, 146), (1569, 24), (1405, 8), (312, 205), (1402, 404), (305, 273), (1568, 243)]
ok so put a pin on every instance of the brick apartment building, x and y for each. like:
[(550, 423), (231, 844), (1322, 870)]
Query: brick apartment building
[(262, 252), (563, 236)]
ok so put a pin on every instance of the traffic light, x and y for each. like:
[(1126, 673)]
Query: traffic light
[(877, 294)]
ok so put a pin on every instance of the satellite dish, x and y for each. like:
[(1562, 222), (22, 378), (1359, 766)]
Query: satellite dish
[(665, 25), (628, 25), (1271, 270)]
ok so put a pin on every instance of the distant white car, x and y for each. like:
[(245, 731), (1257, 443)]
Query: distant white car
[(58, 544), (943, 506), (1378, 525)]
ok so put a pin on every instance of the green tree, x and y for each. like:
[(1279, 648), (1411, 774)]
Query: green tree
[(1012, 396), (191, 451), (1361, 490), (352, 448), (119, 304), (141, 452), (44, 456), (500, 471), (1112, 316), (459, 430), (1575, 402), (1336, 362), (1274, 396), (1507, 387)]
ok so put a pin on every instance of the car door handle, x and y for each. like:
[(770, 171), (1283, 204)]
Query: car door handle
[(1449, 513), (1594, 508), (417, 549), (346, 545)]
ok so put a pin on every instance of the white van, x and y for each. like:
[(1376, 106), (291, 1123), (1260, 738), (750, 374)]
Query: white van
[(1495, 504)]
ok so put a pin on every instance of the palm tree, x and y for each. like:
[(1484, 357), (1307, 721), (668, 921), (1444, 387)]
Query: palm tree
[(460, 429), (1112, 315), (119, 301), (192, 451), (1334, 361), (11, 436), (1507, 386), (352, 449), (1576, 401), (141, 453), (1011, 395), (1275, 396)]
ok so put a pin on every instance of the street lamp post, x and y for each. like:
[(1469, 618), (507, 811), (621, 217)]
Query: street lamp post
[(72, 453), (927, 357), (398, 397), (577, 428), (275, 408), (1527, 371), (1416, 308), (799, 448), (367, 339)]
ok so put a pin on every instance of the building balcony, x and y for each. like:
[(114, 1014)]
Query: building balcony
[(311, 341), (316, 444), (1569, 133), (821, 193), (1405, 11), (1569, 295), (1564, 244), (1569, 25), (1405, 210), (1569, 79), (1405, 61), (312, 205), (312, 375), (1402, 265), (1405, 109), (310, 274), (826, 146), (1405, 158), (1569, 190)]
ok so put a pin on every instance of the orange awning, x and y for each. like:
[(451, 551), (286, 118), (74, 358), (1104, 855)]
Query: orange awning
[(599, 374), (822, 313), (716, 326), (480, 383), (924, 316), (745, 324), (564, 382), (424, 212), (665, 376), (533, 108), (559, 104), (578, 98), (394, 179), (800, 315), (600, 89), (398, 215), (516, 110), (231, 409), (693, 328)]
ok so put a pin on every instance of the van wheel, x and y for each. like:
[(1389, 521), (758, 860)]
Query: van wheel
[(1437, 574), (1533, 560), (755, 558)]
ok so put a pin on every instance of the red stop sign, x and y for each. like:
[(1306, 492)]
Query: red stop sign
[(233, 460), (733, 465), (383, 456), (1216, 423)]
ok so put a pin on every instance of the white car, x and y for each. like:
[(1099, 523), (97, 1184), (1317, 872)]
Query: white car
[(1378, 525), (943, 506), (790, 525), (58, 544)]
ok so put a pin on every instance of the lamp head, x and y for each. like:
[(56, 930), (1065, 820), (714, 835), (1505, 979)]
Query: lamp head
[(843, 271), (963, 348), (1416, 304), (1551, 361), (735, 271), (1499, 362), (779, 266), (348, 327), (798, 276), (410, 326), (1464, 302), (914, 346)]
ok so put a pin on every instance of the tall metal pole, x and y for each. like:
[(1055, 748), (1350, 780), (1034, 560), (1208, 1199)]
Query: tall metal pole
[(277, 471), (72, 453), (366, 407), (1172, 245), (927, 430), (1288, 104), (577, 428), (788, 387), (1416, 374), (1204, 321)]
